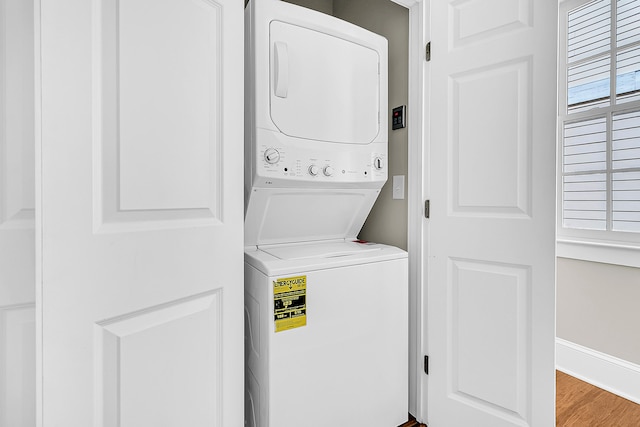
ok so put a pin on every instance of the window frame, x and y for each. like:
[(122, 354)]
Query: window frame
[(611, 247)]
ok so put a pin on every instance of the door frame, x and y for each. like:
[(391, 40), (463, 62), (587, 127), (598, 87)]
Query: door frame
[(417, 230)]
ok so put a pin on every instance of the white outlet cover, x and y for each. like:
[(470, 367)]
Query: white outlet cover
[(398, 187)]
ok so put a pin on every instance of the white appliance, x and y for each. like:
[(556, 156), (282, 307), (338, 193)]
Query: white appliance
[(348, 365), (326, 328)]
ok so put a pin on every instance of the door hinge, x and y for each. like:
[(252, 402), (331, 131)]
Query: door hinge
[(426, 364), (426, 208), (427, 52)]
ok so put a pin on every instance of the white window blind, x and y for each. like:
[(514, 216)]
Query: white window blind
[(585, 180), (600, 122), (625, 165)]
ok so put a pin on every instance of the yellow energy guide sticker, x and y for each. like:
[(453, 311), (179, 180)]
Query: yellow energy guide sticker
[(290, 302)]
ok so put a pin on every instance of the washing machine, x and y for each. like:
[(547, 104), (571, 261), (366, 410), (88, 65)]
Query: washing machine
[(326, 335), (326, 315)]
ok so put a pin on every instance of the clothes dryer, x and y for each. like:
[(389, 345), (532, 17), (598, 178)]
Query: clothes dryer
[(315, 124)]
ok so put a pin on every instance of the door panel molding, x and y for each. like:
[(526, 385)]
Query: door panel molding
[(135, 367), (481, 184), (17, 182), (467, 29), (480, 358), (157, 134), (17, 365)]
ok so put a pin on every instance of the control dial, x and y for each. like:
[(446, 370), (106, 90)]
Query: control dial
[(328, 171), (313, 170), (271, 156), (377, 163)]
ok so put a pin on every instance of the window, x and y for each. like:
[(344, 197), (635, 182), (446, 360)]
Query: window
[(599, 159)]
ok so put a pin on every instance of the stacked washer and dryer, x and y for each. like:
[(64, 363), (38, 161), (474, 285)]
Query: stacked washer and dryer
[(326, 323)]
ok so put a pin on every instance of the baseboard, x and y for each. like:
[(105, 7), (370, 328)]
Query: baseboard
[(602, 370)]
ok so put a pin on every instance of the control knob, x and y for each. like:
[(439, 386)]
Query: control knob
[(313, 170), (377, 163), (328, 171), (271, 156)]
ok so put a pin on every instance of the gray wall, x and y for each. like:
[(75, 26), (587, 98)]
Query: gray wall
[(387, 222), (324, 6), (598, 306)]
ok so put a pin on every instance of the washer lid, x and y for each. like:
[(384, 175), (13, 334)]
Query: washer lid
[(289, 215), (314, 256), (320, 250)]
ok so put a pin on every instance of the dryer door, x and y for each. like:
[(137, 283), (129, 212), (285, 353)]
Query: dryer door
[(323, 87)]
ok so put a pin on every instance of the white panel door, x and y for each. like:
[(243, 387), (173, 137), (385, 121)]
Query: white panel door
[(140, 276), (491, 246), (17, 239)]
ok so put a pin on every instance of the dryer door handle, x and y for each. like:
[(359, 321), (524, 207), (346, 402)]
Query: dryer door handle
[(281, 69)]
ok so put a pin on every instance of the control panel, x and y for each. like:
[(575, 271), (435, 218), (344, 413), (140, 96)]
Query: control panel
[(351, 164)]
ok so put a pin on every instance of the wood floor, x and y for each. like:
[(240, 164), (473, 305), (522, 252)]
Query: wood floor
[(579, 404), (412, 423)]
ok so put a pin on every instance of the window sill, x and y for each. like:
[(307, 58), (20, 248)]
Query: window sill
[(603, 252)]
